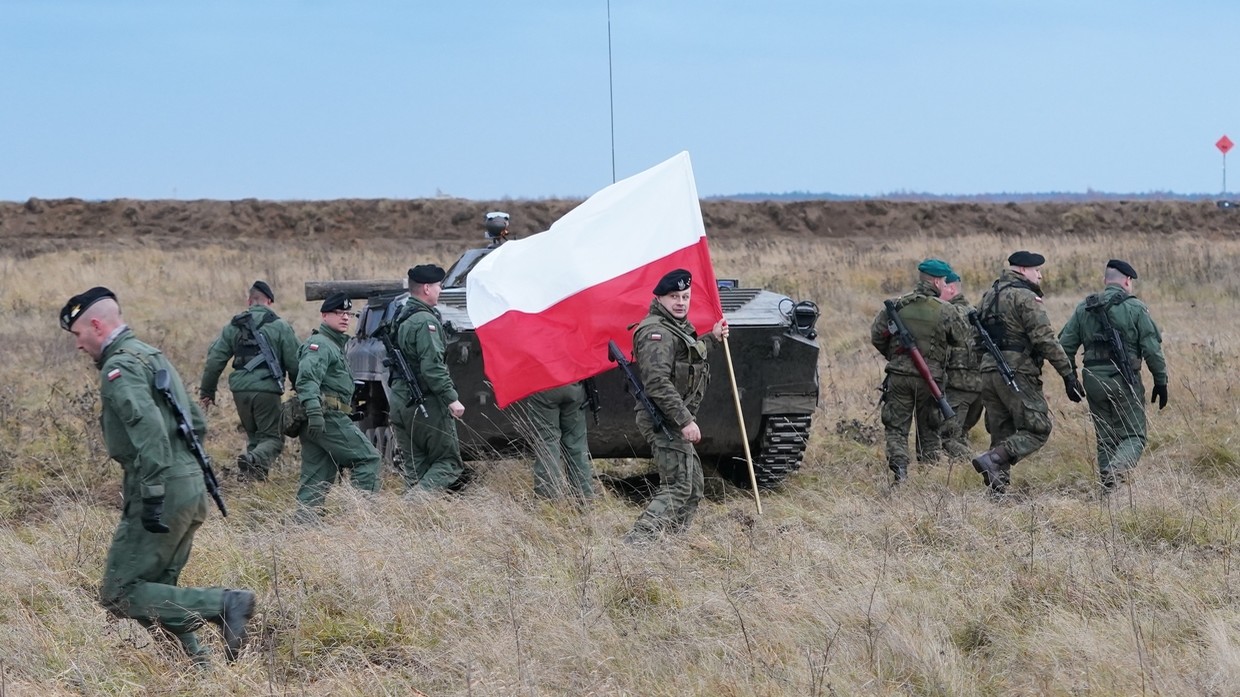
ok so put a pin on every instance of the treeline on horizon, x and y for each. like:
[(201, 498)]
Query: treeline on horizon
[(1046, 197)]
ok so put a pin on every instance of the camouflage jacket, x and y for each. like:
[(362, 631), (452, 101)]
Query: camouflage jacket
[(936, 326), (139, 427), (420, 336), (964, 362), (672, 363), (236, 342), (1012, 310), (322, 370), (1130, 316)]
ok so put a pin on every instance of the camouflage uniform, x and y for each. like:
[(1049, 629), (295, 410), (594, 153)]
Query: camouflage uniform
[(1019, 422), (672, 362), (432, 451), (937, 328), (325, 384), (1118, 409), (557, 418), (964, 386), (140, 431), (255, 391)]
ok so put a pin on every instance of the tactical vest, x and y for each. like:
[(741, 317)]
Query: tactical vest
[(1098, 344), (245, 346), (923, 315), (689, 378), (994, 325)]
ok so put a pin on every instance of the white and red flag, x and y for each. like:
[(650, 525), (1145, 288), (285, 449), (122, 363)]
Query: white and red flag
[(545, 307)]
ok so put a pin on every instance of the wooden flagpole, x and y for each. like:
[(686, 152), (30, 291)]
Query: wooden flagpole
[(740, 419)]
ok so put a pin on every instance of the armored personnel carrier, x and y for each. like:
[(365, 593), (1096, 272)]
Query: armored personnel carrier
[(774, 354)]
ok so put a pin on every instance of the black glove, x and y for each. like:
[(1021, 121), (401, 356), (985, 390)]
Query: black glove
[(315, 425), (1073, 387), (152, 511), (1159, 395)]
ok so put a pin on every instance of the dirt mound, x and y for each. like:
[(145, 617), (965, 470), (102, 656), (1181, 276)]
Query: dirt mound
[(40, 226)]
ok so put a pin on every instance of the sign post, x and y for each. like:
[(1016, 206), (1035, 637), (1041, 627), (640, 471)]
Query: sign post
[(1224, 144)]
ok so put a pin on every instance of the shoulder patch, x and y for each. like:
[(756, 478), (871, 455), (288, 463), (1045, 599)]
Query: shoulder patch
[(313, 347), (656, 337), (431, 326), (114, 374), (1037, 298)]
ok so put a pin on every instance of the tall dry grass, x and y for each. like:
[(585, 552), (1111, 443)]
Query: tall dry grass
[(842, 586)]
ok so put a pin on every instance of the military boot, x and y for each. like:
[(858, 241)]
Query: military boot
[(899, 473), (238, 609), (994, 465), (1110, 480)]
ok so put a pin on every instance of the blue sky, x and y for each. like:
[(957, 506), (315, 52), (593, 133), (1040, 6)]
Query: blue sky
[(278, 99)]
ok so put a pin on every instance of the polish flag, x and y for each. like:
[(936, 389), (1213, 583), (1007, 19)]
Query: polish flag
[(544, 307)]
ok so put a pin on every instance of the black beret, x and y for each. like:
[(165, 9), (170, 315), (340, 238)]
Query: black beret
[(1026, 259), (426, 273), (336, 301), (265, 289), (1123, 267), (78, 304), (679, 279)]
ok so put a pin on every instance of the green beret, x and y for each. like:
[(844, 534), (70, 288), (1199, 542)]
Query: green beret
[(78, 304), (953, 277), (1123, 267), (935, 267), (672, 281), (336, 301)]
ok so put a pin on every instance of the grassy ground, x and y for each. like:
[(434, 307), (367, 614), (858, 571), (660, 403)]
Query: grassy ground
[(841, 587)]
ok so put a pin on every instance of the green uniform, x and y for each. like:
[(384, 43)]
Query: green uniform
[(673, 367), (937, 328), (1019, 422), (140, 431), (1118, 409), (325, 384), (432, 451), (964, 386), (255, 391), (557, 418)]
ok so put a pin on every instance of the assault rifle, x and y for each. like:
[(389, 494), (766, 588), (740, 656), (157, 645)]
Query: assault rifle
[(399, 367), (635, 384), (896, 326), (591, 398), (988, 342), (163, 383), (1115, 340), (267, 354)]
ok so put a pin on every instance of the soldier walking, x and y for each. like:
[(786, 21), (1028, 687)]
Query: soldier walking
[(330, 441), (557, 418), (1117, 333), (1017, 416), (964, 380), (164, 492), (937, 329), (428, 438), (672, 361), (257, 378)]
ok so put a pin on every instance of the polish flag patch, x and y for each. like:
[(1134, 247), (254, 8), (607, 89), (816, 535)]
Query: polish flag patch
[(656, 337), (113, 374), (314, 347), (431, 327)]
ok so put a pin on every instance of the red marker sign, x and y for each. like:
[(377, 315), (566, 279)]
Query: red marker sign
[(1224, 144)]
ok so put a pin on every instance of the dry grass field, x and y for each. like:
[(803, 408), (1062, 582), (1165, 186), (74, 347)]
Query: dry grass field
[(842, 587)]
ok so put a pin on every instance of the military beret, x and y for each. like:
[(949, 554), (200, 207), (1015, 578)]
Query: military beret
[(265, 289), (953, 277), (1026, 259), (672, 281), (1123, 267), (336, 301), (426, 273), (78, 304), (935, 267)]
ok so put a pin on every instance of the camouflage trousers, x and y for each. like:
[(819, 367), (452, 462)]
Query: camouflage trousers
[(260, 417), (556, 425), (906, 400), (681, 486), (955, 431), (1019, 421), (1118, 412)]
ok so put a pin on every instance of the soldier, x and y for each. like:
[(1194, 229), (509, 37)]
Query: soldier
[(255, 387), (557, 418), (1118, 407), (674, 371), (964, 380), (330, 441), (164, 492), (1019, 421), (432, 451), (937, 328)]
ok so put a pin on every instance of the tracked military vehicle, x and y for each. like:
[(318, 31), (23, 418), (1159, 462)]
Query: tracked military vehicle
[(774, 353)]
